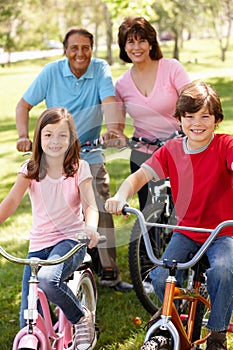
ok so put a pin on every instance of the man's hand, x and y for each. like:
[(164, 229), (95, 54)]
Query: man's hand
[(114, 139), (24, 144)]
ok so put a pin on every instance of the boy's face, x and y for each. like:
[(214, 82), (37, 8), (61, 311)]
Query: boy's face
[(198, 127)]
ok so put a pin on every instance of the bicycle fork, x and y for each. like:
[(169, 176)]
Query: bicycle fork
[(30, 336), (170, 320)]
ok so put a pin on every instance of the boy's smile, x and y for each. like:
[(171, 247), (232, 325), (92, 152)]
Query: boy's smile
[(198, 127)]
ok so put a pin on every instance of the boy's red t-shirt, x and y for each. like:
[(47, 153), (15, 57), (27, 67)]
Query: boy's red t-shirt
[(201, 182)]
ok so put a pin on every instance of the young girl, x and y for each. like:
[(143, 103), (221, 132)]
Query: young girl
[(200, 168), (60, 190)]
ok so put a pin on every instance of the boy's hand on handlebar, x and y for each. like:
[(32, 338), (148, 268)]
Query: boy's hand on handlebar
[(24, 144), (115, 205), (93, 236)]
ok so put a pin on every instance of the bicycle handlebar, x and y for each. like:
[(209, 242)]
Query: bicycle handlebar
[(156, 142), (132, 142), (42, 262), (196, 257)]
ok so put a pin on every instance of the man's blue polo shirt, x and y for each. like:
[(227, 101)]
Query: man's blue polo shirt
[(59, 87)]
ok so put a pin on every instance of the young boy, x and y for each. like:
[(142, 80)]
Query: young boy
[(200, 168)]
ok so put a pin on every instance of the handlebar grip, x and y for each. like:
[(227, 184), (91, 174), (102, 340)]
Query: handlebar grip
[(102, 239), (85, 240), (124, 212)]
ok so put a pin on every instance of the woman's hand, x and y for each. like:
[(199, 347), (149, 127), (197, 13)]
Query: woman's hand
[(114, 139)]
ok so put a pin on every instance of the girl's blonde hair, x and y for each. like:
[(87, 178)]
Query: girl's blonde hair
[(37, 165)]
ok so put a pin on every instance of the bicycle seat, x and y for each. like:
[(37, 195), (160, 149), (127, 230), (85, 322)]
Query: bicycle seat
[(84, 265), (203, 263)]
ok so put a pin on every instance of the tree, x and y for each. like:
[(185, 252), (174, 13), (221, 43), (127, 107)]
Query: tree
[(175, 16), (9, 14), (220, 14)]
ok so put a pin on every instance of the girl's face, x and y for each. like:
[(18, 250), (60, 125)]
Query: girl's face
[(198, 127), (137, 49), (55, 139)]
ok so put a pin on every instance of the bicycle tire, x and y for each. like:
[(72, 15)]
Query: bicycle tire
[(158, 342), (84, 287), (139, 262)]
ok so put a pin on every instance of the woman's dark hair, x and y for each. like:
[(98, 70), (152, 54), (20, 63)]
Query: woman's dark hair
[(80, 31), (37, 164), (139, 28), (195, 96)]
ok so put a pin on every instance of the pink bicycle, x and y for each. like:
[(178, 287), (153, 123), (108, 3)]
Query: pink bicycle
[(41, 333)]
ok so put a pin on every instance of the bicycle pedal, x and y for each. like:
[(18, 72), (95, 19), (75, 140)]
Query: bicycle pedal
[(108, 274)]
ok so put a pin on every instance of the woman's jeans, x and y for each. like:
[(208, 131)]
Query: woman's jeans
[(219, 275), (51, 280)]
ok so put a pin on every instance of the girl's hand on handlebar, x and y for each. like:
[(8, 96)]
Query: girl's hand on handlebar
[(93, 236), (115, 205)]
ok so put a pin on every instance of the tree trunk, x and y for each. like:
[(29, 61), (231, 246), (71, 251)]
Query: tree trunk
[(108, 22), (176, 48)]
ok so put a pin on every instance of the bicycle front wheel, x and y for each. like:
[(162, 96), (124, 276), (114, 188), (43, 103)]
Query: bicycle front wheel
[(139, 262), (84, 287)]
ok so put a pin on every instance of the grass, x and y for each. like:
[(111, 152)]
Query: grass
[(115, 311)]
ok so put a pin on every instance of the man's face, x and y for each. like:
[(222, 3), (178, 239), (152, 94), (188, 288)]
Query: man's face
[(79, 54)]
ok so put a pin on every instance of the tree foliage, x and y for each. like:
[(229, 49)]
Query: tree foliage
[(29, 24)]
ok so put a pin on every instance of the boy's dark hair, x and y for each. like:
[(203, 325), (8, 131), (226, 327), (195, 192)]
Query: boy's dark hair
[(80, 31), (139, 28), (195, 96)]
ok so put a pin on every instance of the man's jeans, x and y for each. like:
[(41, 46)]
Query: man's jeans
[(51, 280), (219, 275)]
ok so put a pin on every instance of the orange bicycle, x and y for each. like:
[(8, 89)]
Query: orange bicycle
[(171, 329)]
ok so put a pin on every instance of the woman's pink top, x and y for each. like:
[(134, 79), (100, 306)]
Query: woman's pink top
[(153, 115)]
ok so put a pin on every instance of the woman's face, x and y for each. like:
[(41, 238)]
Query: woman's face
[(137, 49), (55, 139)]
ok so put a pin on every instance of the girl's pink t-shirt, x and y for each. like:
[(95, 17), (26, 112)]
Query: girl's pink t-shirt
[(56, 208), (153, 115)]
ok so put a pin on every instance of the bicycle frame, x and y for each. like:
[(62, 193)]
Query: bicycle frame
[(39, 330), (170, 320)]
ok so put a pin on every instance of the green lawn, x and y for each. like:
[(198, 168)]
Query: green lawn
[(116, 311)]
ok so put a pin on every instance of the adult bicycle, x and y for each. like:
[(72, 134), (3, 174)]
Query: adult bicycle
[(182, 328), (52, 330), (161, 210)]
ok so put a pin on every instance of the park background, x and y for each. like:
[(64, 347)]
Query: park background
[(200, 36)]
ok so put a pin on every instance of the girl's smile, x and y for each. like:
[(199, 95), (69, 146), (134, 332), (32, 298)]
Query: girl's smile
[(55, 138)]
